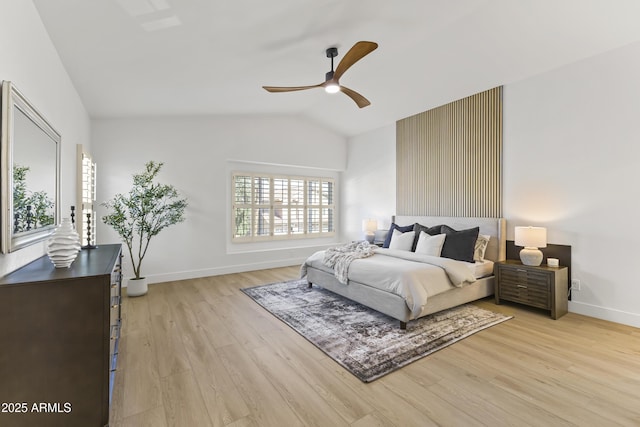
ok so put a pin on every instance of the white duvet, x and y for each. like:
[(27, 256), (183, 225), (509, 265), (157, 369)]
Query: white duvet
[(413, 276)]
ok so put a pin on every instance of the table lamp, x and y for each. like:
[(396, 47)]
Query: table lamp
[(369, 226), (531, 238)]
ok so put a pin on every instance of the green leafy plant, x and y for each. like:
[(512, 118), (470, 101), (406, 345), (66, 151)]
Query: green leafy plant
[(31, 209), (148, 209)]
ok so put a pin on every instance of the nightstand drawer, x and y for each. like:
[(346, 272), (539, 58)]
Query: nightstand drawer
[(521, 275), (533, 294)]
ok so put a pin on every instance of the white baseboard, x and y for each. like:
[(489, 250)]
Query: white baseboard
[(617, 316), (227, 269)]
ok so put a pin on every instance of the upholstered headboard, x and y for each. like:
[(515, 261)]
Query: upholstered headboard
[(494, 227)]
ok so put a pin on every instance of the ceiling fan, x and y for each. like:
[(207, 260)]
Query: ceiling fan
[(331, 83)]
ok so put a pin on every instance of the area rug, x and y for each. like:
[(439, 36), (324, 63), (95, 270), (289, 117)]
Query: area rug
[(367, 343)]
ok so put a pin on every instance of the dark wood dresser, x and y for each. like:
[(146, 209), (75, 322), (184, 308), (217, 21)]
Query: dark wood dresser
[(59, 331)]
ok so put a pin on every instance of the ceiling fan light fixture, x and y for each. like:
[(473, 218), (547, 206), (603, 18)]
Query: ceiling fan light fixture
[(332, 88), (331, 82)]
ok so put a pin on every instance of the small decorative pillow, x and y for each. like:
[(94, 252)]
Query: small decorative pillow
[(394, 226), (459, 245), (402, 241), (430, 245), (481, 246), (432, 231)]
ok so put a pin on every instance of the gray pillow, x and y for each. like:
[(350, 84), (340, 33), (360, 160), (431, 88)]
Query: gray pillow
[(459, 245)]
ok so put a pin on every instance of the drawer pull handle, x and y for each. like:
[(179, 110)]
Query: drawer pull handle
[(522, 286), (521, 270), (115, 301), (115, 332)]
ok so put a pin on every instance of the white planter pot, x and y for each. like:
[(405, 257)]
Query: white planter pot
[(137, 287)]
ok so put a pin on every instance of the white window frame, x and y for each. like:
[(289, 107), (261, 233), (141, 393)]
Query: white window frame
[(85, 214), (327, 212)]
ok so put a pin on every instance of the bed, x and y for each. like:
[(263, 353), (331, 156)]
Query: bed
[(365, 290)]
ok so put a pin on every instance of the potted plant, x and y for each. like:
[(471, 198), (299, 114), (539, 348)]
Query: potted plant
[(148, 209)]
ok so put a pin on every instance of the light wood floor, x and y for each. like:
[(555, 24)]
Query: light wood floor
[(199, 353)]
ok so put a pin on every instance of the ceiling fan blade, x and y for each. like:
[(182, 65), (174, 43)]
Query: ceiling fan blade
[(355, 54), (359, 99), (289, 89)]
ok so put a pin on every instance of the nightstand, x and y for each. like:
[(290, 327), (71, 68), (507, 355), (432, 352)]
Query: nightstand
[(542, 287)]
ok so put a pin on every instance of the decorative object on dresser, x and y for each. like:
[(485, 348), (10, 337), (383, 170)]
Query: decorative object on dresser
[(90, 236), (60, 339), (536, 286), (365, 342), (148, 209), (531, 238), (63, 245)]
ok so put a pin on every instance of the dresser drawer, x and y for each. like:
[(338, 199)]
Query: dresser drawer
[(116, 275), (115, 290), (114, 308), (114, 339)]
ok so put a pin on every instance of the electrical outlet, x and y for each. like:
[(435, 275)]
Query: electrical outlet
[(575, 284)]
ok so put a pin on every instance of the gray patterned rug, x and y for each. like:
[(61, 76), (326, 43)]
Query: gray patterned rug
[(367, 343)]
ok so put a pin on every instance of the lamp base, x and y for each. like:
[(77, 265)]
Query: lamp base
[(531, 256)]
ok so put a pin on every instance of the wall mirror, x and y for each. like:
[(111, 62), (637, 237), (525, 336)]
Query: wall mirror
[(29, 173)]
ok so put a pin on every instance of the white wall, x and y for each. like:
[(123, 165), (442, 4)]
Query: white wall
[(200, 154), (369, 183), (572, 164), (30, 61)]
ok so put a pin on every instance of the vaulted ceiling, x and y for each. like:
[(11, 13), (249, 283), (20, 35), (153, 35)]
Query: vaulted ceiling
[(131, 58)]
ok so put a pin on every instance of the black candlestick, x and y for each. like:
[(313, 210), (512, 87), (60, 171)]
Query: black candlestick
[(89, 245)]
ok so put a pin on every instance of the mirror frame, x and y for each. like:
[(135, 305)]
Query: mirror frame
[(12, 99)]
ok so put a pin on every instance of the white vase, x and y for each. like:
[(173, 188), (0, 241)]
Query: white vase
[(137, 287), (63, 245)]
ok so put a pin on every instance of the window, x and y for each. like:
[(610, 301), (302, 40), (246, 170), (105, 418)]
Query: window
[(270, 207), (85, 220)]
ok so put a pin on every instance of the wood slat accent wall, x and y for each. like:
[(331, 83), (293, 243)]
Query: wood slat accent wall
[(449, 159)]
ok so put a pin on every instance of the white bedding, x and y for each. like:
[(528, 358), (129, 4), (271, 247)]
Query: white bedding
[(480, 269), (413, 276)]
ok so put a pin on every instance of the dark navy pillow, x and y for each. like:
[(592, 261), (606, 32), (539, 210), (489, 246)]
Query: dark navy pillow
[(459, 245), (432, 231), (394, 226)]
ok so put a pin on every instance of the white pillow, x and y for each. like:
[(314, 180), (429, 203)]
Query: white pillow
[(430, 245), (481, 247), (402, 241)]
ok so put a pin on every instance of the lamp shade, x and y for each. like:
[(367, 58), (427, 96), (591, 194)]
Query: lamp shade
[(531, 237), (369, 225)]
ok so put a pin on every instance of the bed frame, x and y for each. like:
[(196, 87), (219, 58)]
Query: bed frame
[(392, 304)]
